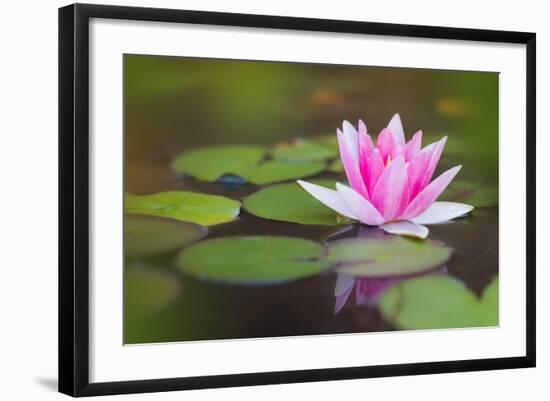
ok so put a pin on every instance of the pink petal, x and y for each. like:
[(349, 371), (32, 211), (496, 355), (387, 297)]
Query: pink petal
[(388, 191), (374, 170), (385, 143), (359, 206), (350, 161), (405, 227), (396, 129), (350, 133), (328, 197), (435, 155), (440, 212), (416, 171), (405, 198), (412, 148), (361, 127), (398, 150), (365, 148), (428, 195)]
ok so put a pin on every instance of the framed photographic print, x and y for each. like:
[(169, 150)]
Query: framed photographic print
[(250, 199)]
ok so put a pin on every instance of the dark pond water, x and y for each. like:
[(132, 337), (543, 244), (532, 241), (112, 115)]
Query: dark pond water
[(173, 105)]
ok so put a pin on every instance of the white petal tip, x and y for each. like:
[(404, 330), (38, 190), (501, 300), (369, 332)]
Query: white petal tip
[(406, 228), (443, 212), (328, 197)]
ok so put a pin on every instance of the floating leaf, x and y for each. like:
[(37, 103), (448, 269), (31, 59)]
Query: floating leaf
[(253, 260), (302, 150), (276, 171), (147, 290), (289, 202), (187, 206), (390, 255), (148, 235), (473, 193), (434, 302), (209, 164)]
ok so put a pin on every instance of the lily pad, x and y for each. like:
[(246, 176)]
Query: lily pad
[(435, 302), (277, 171), (289, 202), (253, 260), (148, 235), (473, 193), (386, 256), (303, 150), (187, 206), (147, 290), (209, 164), (212, 164)]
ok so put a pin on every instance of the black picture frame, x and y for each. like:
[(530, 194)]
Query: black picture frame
[(74, 198)]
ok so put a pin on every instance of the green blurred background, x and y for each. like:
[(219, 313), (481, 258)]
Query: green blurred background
[(174, 103)]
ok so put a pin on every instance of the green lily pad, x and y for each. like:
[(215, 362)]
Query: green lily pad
[(473, 193), (435, 302), (209, 164), (187, 206), (302, 150), (147, 290), (336, 166), (148, 235), (253, 260), (277, 171), (390, 255), (289, 202)]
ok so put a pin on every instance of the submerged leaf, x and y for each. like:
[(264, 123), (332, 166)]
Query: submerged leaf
[(147, 290), (187, 206), (289, 202), (386, 256), (435, 302), (253, 260), (148, 235)]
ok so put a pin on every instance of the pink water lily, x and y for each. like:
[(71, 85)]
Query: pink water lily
[(391, 181)]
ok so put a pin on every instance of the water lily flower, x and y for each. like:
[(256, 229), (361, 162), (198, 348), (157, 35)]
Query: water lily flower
[(391, 181)]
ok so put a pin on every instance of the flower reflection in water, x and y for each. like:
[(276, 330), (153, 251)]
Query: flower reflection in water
[(367, 290)]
